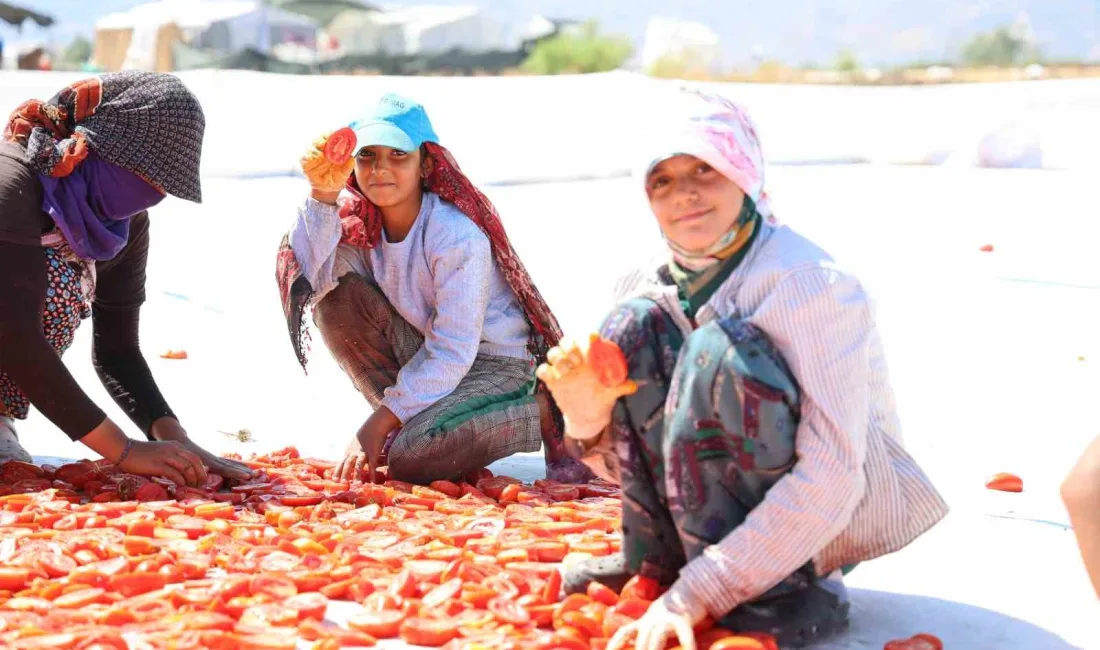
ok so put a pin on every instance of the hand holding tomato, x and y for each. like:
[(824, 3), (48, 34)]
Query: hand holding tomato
[(329, 161), (586, 381)]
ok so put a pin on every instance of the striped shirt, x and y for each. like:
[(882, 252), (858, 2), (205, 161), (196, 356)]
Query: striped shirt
[(854, 493)]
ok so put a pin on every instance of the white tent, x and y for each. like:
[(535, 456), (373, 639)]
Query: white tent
[(420, 30), (680, 38), (142, 37)]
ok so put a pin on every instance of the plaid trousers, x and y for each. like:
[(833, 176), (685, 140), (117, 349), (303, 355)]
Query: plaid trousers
[(490, 415)]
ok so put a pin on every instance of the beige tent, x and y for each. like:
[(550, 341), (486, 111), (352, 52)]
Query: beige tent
[(145, 37), (112, 45)]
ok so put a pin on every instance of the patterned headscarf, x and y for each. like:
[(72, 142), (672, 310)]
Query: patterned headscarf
[(147, 123), (721, 134)]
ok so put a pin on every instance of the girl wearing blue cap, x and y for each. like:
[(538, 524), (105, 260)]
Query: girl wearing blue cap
[(423, 302), (756, 438)]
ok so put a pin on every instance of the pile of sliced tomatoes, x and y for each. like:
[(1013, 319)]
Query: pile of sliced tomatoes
[(92, 558)]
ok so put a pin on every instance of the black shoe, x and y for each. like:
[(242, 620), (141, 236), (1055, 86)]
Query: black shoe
[(796, 619), (609, 570)]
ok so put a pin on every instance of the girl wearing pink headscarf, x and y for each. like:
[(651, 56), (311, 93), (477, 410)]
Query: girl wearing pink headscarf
[(757, 441)]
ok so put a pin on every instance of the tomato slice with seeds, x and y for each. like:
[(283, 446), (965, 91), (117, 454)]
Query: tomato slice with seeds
[(508, 611), (340, 146)]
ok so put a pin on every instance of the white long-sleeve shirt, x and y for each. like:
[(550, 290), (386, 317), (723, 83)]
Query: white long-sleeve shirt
[(854, 493), (442, 279)]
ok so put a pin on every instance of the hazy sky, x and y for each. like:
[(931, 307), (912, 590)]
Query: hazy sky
[(794, 31)]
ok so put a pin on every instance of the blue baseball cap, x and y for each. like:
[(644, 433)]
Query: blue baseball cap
[(397, 122)]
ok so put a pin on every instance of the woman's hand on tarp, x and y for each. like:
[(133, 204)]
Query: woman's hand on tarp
[(371, 439), (169, 459), (169, 429)]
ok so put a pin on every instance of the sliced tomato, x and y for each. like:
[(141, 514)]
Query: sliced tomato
[(510, 493), (508, 611), (404, 584), (16, 470), (632, 607), (383, 624), (80, 598), (448, 488), (268, 614), (607, 360), (56, 566), (267, 641), (340, 146), (552, 591), (298, 500), (738, 642), (426, 570), (13, 578), (917, 642), (275, 585), (602, 594), (641, 587), (442, 594), (151, 492), (1005, 482), (213, 482), (133, 584), (308, 605), (430, 632)]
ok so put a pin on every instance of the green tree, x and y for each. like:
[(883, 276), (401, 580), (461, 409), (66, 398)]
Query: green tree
[(1000, 47), (846, 61), (77, 52), (688, 63), (580, 51)]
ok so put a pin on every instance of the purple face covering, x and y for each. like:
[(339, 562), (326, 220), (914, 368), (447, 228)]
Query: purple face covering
[(93, 205)]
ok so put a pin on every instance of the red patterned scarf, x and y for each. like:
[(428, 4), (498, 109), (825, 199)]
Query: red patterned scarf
[(58, 117)]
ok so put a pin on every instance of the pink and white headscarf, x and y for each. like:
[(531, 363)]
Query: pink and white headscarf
[(715, 130)]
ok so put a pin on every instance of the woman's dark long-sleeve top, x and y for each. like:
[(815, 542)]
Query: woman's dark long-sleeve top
[(26, 356)]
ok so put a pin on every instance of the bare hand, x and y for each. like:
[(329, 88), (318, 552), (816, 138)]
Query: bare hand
[(372, 436), (169, 459), (351, 468), (169, 429)]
